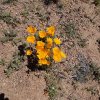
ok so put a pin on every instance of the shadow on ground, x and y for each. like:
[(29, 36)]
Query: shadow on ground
[(32, 60), (2, 97)]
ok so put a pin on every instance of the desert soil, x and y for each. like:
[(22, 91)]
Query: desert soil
[(84, 15)]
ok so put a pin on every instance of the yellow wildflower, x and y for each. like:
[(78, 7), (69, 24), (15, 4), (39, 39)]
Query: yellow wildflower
[(57, 58), (49, 40), (42, 34), (47, 52), (41, 56), (58, 54), (56, 50), (28, 52), (31, 29), (44, 62), (40, 45), (57, 41), (51, 30), (44, 53), (49, 43), (63, 54), (30, 39)]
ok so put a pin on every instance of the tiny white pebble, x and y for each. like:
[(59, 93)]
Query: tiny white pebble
[(53, 88)]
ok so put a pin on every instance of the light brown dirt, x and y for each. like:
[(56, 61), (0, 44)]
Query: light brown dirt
[(21, 86), (86, 18)]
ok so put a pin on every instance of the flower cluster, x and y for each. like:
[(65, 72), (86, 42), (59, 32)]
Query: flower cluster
[(45, 44)]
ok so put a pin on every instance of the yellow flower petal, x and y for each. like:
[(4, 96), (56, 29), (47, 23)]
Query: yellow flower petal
[(43, 53), (43, 62), (30, 39), (56, 50), (31, 29), (63, 55), (42, 34), (49, 40), (51, 30), (58, 55), (49, 43), (40, 45), (57, 41), (28, 52), (57, 58)]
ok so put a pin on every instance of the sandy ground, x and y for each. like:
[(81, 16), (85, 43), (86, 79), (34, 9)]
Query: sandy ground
[(85, 17)]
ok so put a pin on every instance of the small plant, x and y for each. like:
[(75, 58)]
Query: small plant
[(52, 91), (97, 2), (98, 41), (14, 64), (82, 43), (95, 71), (87, 69), (51, 82), (82, 69), (70, 30), (92, 90), (8, 1), (25, 13), (9, 35), (2, 62), (44, 47), (47, 2), (7, 18)]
